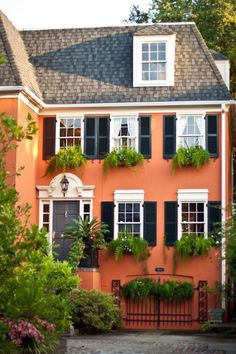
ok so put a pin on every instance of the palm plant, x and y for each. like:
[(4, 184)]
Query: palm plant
[(90, 232)]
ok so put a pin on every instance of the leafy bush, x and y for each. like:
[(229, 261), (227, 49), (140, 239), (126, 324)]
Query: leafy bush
[(123, 157), (126, 243), (94, 311), (71, 157), (230, 244), (190, 156), (169, 290)]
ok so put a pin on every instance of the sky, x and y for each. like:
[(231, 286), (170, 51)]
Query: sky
[(35, 14)]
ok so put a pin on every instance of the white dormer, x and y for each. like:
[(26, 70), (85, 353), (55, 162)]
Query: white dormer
[(153, 60), (223, 65)]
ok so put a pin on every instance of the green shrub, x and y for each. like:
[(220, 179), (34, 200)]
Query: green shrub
[(169, 290), (94, 311), (123, 157), (71, 157), (126, 243), (190, 156)]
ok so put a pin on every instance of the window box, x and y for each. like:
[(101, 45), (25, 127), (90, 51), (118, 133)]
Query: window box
[(124, 157)]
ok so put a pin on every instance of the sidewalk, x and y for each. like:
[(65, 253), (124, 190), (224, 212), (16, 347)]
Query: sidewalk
[(151, 342)]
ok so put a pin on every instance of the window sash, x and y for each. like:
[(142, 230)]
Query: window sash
[(187, 135), (189, 225), (67, 136), (153, 61), (117, 141)]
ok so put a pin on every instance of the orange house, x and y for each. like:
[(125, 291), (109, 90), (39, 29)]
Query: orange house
[(151, 88)]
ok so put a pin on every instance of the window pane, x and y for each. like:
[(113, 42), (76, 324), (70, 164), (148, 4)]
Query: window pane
[(162, 47), (121, 207), (128, 207), (162, 56), (184, 216), (192, 207), (46, 218), (153, 47), (161, 76), (121, 217), (153, 75), (136, 217), (200, 207), (145, 76), (129, 217), (46, 208), (62, 132), (153, 67), (200, 217), (145, 47), (86, 208), (136, 229), (145, 56), (136, 207), (153, 56), (145, 67)]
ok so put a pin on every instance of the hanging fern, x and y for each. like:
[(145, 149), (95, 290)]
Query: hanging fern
[(169, 290), (126, 243), (190, 156), (71, 157), (124, 157)]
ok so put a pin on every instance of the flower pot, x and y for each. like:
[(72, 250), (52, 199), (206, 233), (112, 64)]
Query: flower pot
[(216, 315)]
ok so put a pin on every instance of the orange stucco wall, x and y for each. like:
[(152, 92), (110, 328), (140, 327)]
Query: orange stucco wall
[(26, 156), (154, 177)]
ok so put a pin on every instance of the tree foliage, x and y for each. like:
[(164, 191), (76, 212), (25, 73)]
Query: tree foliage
[(216, 20), (34, 306)]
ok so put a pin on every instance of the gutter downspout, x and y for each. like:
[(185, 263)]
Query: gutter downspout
[(223, 194)]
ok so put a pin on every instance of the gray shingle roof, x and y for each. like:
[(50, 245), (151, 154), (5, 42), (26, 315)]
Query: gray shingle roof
[(18, 70), (95, 65)]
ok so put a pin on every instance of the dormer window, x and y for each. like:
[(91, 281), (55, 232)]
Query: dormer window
[(153, 60)]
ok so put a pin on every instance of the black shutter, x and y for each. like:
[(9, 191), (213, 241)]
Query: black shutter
[(171, 219), (145, 136), (214, 215), (150, 222), (169, 136), (90, 137), (212, 134), (103, 136), (107, 216), (49, 131)]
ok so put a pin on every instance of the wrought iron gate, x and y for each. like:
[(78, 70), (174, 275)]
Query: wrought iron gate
[(156, 312)]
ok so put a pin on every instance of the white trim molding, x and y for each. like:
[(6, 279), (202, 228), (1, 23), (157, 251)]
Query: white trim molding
[(192, 195), (223, 195), (76, 188), (169, 41)]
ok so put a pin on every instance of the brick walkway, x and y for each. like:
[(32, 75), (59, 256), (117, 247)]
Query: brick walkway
[(150, 342)]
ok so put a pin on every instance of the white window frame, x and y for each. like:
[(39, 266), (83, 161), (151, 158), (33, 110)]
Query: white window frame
[(68, 116), (178, 117), (128, 116), (128, 196), (137, 60), (192, 196)]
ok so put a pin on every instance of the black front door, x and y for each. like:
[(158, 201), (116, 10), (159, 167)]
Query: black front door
[(63, 213)]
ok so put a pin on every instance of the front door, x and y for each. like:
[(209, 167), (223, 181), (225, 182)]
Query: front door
[(63, 213)]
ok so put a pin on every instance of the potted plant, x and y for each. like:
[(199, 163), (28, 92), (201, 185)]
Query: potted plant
[(216, 313), (194, 156), (191, 245), (72, 157), (126, 243), (88, 236), (123, 157)]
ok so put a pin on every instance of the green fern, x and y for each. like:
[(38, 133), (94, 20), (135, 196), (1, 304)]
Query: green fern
[(169, 290), (123, 157), (71, 157), (190, 156), (126, 243)]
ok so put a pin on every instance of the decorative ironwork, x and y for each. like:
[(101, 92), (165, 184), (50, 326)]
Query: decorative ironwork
[(157, 312), (116, 290), (202, 301)]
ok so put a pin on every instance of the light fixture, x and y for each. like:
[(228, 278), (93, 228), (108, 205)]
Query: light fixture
[(64, 185)]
